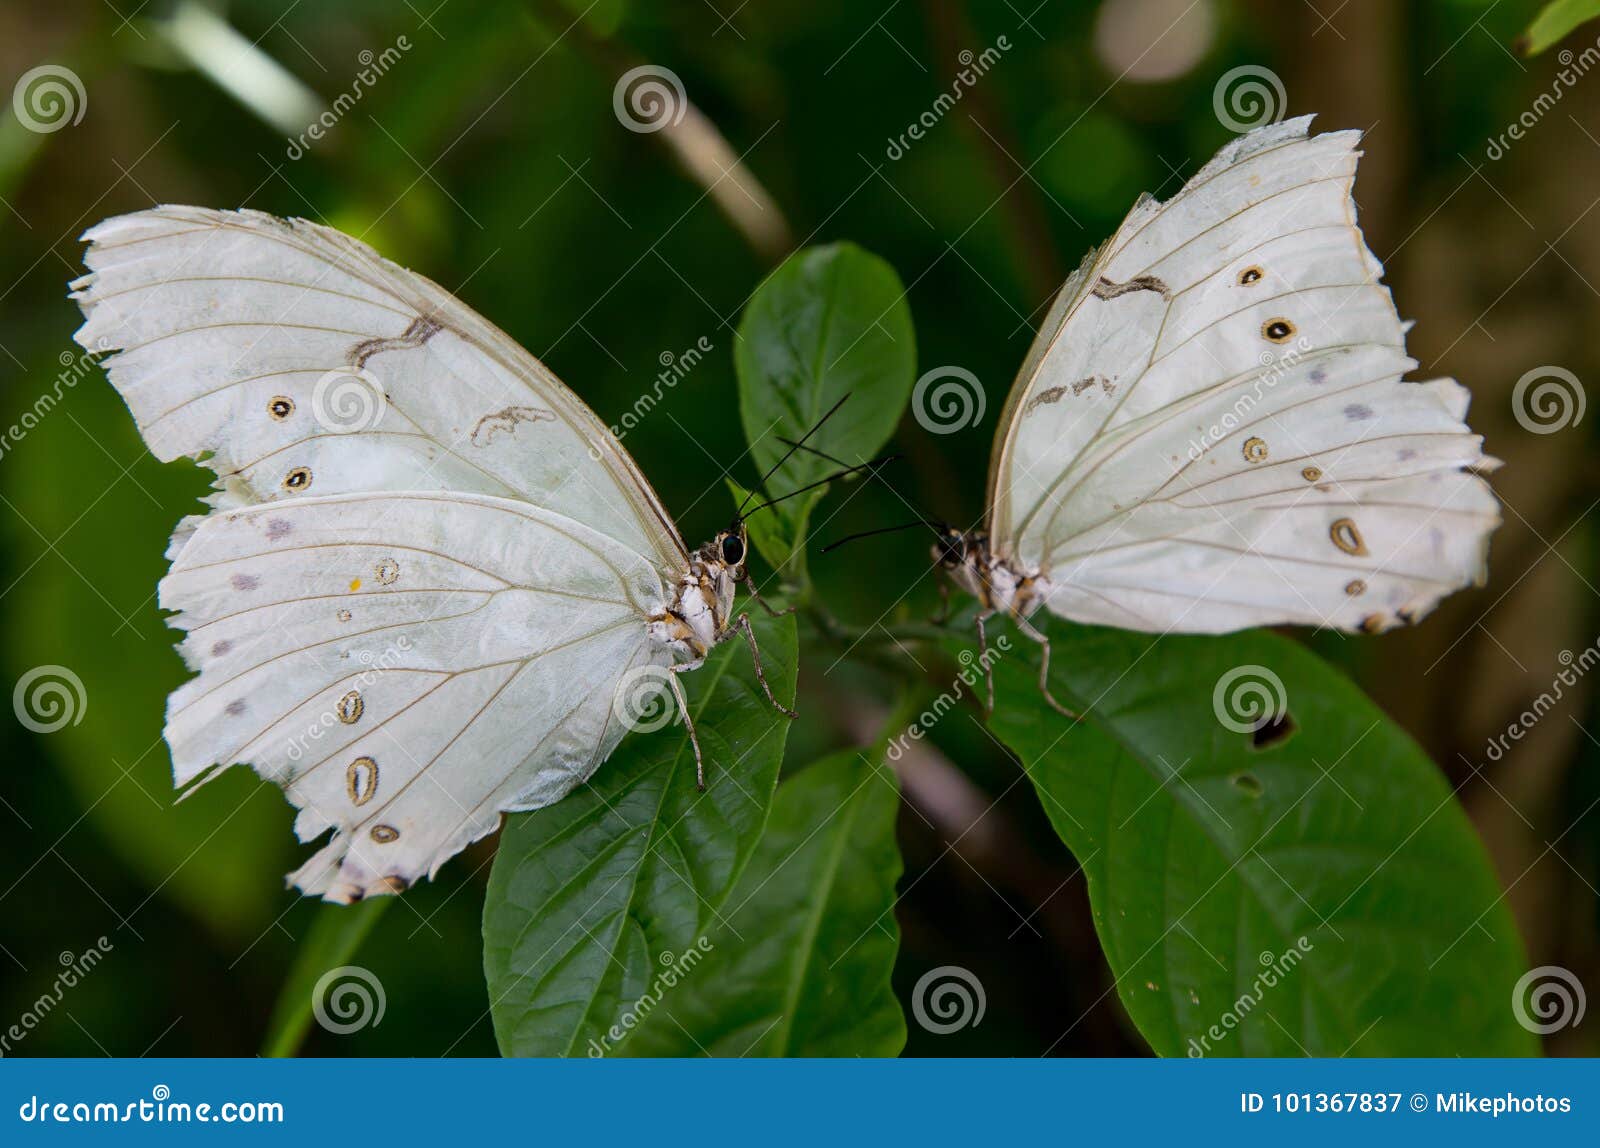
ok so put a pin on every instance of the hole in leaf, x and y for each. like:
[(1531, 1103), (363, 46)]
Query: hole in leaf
[(1272, 731), (1248, 784)]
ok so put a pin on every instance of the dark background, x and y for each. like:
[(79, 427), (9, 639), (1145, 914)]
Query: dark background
[(488, 157)]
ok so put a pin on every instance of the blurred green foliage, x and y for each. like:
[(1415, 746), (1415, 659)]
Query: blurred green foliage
[(1555, 20)]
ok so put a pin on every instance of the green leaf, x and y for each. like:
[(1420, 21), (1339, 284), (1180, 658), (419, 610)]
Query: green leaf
[(800, 963), (1553, 23), (333, 939), (586, 896), (1209, 860), (830, 321)]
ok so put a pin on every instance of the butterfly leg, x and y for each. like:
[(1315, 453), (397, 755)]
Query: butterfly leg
[(983, 659), (1044, 666), (943, 615), (683, 708), (755, 656), (763, 602)]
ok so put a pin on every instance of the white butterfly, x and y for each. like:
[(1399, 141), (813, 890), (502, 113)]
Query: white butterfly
[(1211, 431), (432, 587)]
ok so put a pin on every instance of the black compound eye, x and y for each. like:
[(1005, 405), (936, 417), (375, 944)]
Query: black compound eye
[(732, 550), (955, 549)]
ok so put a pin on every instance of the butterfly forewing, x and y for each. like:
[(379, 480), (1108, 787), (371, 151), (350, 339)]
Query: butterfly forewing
[(297, 361)]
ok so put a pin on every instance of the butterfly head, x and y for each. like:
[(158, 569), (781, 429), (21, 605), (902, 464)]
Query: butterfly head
[(730, 547), (954, 549), (949, 547), (964, 556)]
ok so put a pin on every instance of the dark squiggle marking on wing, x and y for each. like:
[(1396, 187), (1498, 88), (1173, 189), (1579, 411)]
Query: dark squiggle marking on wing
[(1056, 393), (1048, 395), (507, 421), (422, 328), (1106, 289)]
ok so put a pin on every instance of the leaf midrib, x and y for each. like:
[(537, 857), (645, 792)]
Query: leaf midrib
[(719, 672), (814, 926)]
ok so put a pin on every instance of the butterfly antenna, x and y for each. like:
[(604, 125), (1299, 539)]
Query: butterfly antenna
[(841, 462), (793, 446), (921, 520), (849, 470), (834, 545), (811, 450)]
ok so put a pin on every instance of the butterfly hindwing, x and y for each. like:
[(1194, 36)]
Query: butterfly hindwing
[(406, 666)]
